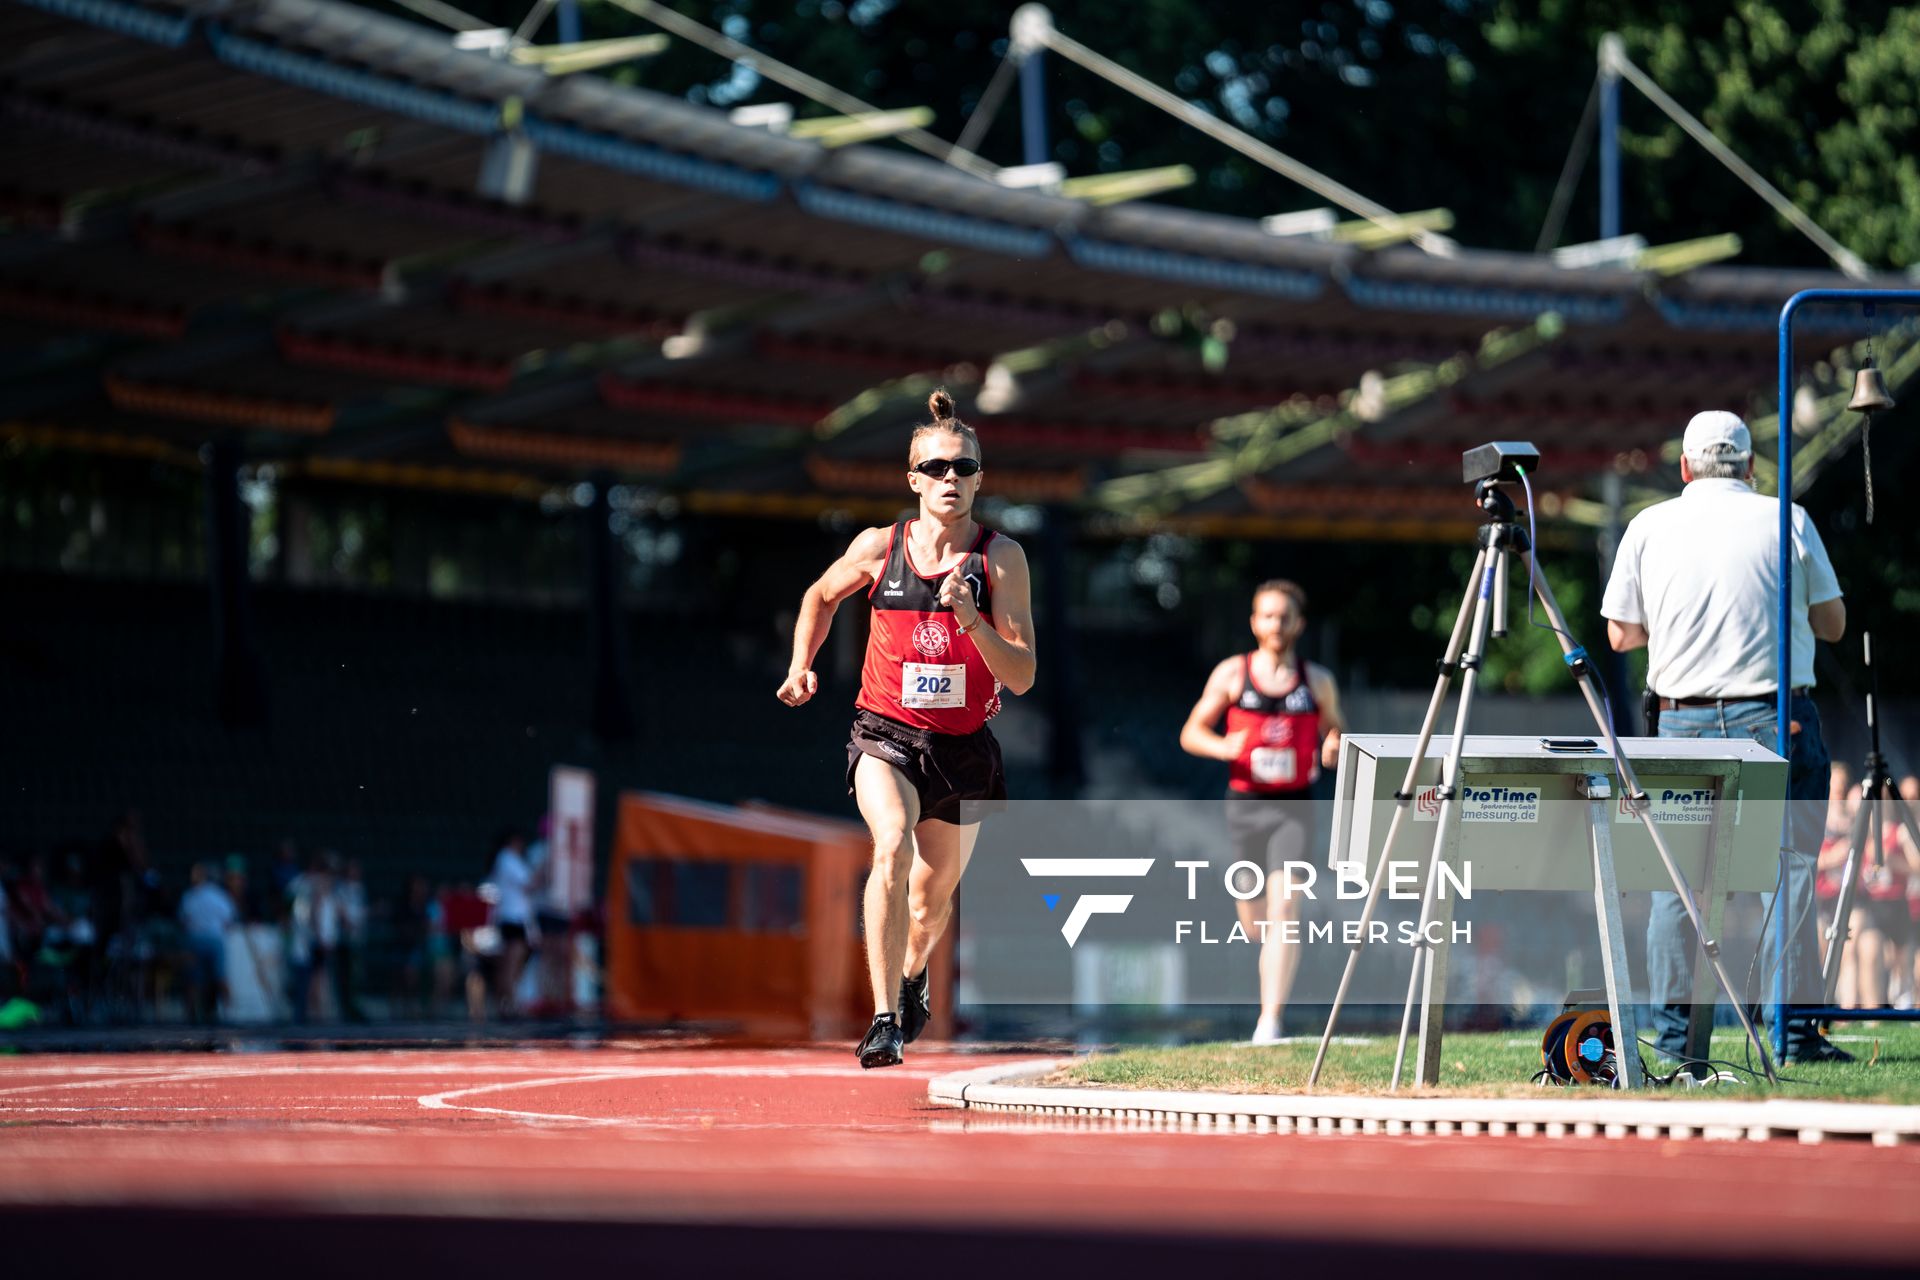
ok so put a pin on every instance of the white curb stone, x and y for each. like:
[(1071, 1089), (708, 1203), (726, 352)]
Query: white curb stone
[(1010, 1087)]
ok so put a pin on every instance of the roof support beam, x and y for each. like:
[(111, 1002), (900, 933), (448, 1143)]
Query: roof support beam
[(870, 126), (1115, 188), (590, 55), (1366, 234)]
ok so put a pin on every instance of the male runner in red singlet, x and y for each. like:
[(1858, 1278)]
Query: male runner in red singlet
[(1283, 723), (943, 643)]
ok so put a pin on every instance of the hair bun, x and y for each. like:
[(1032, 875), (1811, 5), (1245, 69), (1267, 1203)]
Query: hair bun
[(940, 405)]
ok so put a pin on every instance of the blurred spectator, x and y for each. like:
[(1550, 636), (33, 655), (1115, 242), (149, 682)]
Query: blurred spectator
[(415, 924), (511, 884), (240, 888), (255, 993), (123, 888), (206, 913), (465, 915), (112, 872), (32, 911), (316, 931), (545, 991), (71, 945), (9, 987), (354, 912), (282, 875)]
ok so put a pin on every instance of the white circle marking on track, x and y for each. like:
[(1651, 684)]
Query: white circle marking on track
[(444, 1101)]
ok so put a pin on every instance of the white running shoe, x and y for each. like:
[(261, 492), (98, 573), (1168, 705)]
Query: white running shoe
[(1266, 1032)]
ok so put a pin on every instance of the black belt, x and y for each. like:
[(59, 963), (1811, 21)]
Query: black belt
[(1674, 704)]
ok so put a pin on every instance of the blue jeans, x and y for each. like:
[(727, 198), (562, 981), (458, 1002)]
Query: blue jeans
[(1670, 937)]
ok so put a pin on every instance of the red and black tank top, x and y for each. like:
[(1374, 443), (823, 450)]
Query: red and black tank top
[(1282, 751), (919, 669)]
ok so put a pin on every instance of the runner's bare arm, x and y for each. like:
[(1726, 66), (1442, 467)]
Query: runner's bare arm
[(1197, 735), (1327, 694), (1007, 646), (865, 557)]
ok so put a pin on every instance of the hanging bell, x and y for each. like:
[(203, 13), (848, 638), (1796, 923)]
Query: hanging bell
[(1869, 391)]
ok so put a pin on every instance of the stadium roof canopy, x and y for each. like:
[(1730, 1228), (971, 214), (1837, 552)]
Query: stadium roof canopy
[(272, 217)]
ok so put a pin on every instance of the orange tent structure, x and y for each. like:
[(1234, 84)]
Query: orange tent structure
[(743, 916)]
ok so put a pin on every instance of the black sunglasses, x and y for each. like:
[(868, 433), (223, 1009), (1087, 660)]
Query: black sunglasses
[(937, 468)]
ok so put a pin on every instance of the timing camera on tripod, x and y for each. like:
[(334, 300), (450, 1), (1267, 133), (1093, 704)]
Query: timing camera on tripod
[(1585, 779)]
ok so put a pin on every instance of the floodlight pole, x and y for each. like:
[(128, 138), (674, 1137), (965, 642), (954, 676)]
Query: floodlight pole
[(1783, 723), (1032, 23), (1613, 51)]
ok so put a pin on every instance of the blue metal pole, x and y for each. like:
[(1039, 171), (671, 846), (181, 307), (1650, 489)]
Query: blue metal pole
[(1609, 138), (569, 20), (1033, 108), (1783, 712)]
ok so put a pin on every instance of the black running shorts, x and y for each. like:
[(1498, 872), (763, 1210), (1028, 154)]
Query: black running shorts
[(1270, 830), (944, 768)]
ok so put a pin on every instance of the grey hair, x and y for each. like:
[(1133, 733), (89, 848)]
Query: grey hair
[(1721, 464)]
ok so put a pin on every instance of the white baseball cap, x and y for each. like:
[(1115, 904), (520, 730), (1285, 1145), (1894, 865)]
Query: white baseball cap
[(1717, 434)]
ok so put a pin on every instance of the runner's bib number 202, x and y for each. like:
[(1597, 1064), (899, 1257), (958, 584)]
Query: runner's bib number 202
[(933, 685)]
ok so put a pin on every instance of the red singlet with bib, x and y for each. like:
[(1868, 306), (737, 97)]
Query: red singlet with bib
[(920, 670), (1282, 751)]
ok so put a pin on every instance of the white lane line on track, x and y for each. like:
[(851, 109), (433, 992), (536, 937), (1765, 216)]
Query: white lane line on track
[(445, 1101), (347, 1105), (222, 1071), (172, 1077), (211, 1073)]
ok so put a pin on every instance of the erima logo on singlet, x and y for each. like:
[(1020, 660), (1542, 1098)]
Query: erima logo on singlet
[(1250, 700)]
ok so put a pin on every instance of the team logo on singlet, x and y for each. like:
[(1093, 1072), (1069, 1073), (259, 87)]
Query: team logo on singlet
[(930, 638)]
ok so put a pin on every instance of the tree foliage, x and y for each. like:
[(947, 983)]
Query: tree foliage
[(1470, 104)]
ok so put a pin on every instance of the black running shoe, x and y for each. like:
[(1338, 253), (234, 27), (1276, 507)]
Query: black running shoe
[(1819, 1049), (916, 1007), (881, 1048)]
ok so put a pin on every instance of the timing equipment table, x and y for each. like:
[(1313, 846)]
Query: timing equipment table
[(1550, 817)]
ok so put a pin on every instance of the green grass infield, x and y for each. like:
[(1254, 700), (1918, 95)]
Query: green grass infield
[(1501, 1064)]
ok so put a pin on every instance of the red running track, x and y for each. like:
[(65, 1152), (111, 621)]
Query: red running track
[(712, 1146)]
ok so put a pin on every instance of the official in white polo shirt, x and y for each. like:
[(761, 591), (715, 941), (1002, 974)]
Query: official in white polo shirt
[(1697, 581)]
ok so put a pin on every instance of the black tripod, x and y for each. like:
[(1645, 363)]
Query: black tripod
[(1877, 793)]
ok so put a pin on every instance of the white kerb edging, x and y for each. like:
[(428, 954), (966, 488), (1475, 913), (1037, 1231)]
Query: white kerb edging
[(1563, 1113)]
